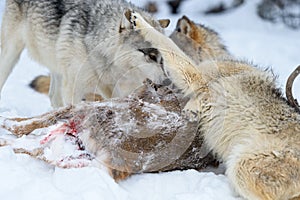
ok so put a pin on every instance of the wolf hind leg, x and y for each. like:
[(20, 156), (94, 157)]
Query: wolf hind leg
[(267, 176)]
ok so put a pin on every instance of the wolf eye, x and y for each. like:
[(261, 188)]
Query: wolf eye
[(153, 57), (179, 30), (151, 54)]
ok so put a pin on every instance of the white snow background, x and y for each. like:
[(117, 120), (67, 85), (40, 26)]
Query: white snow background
[(22, 177)]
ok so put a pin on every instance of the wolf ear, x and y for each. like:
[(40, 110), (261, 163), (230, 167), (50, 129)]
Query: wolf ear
[(125, 21), (164, 23), (184, 25)]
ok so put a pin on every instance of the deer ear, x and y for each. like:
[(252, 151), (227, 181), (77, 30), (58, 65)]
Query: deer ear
[(164, 23), (184, 25)]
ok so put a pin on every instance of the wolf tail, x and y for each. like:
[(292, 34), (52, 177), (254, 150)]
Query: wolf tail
[(41, 84)]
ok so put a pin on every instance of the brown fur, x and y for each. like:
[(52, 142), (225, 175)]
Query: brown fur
[(199, 42)]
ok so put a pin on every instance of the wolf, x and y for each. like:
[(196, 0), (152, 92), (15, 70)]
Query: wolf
[(243, 115), (82, 42), (198, 41)]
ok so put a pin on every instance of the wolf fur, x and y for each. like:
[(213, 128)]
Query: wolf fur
[(41, 84), (199, 42), (244, 118), (83, 44)]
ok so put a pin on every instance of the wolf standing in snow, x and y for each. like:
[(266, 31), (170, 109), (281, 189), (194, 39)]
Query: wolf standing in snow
[(244, 118), (83, 44)]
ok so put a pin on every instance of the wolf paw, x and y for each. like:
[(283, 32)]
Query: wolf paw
[(191, 110), (190, 115)]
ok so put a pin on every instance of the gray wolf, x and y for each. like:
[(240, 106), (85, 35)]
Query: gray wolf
[(199, 42), (243, 115), (82, 42)]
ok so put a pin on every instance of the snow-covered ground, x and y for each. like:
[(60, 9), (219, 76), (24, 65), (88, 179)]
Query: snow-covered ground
[(22, 177)]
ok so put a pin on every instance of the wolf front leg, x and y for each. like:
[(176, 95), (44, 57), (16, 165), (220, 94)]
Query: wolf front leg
[(72, 88), (55, 90)]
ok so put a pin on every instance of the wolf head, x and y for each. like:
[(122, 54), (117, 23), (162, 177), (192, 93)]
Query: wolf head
[(134, 59), (146, 64), (116, 58), (197, 41)]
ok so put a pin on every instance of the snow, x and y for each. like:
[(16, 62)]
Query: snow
[(22, 177)]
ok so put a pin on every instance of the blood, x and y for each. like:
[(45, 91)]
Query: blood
[(66, 128), (73, 128)]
